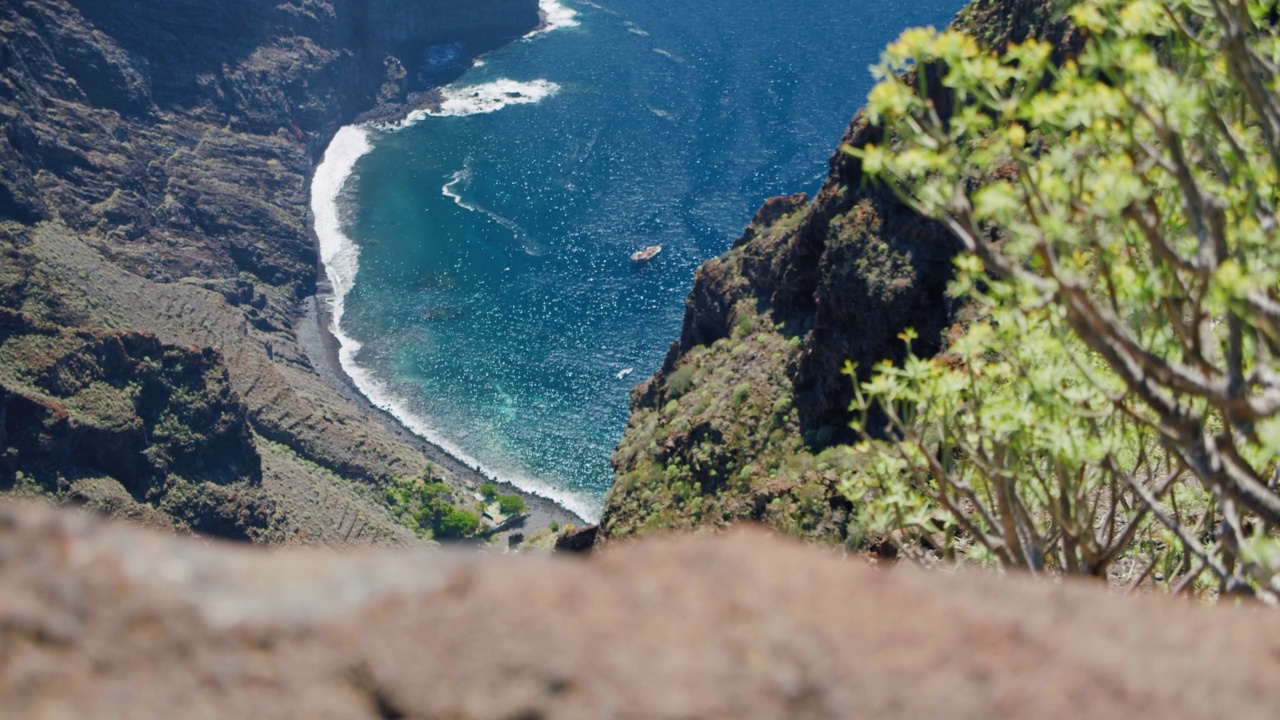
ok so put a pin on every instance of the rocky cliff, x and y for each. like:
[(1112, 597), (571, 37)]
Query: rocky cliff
[(748, 417), (154, 163), (107, 622)]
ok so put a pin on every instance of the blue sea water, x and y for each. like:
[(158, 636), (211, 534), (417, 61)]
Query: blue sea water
[(480, 254)]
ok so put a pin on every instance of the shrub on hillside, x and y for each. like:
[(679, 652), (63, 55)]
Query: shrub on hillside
[(457, 524)]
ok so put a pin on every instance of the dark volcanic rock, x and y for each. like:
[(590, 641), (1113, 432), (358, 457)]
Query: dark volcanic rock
[(577, 541), (187, 128), (103, 622)]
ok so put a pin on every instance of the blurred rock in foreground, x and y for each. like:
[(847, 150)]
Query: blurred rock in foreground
[(106, 621)]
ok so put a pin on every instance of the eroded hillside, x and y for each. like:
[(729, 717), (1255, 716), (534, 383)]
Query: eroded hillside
[(154, 162)]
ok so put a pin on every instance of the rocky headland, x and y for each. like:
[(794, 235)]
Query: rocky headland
[(156, 255), (748, 418)]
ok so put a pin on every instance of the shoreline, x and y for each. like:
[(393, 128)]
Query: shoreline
[(322, 345), (318, 343)]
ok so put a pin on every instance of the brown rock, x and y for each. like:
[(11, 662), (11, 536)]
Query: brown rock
[(99, 621)]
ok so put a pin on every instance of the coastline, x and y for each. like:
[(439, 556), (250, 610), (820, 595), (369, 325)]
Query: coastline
[(320, 346), (317, 329)]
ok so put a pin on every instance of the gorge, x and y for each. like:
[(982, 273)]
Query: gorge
[(178, 206), (163, 363), (495, 308)]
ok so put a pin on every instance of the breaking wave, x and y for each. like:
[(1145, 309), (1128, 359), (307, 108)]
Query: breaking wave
[(464, 100), (554, 17)]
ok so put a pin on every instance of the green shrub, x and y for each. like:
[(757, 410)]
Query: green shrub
[(457, 524), (1114, 392), (489, 490), (512, 505), (680, 381)]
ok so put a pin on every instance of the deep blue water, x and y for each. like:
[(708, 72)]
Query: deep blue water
[(495, 298)]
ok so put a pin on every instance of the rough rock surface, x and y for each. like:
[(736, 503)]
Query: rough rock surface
[(97, 413), (747, 417), (109, 622), (154, 166)]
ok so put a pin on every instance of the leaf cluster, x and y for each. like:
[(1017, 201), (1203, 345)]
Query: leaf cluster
[(1118, 394)]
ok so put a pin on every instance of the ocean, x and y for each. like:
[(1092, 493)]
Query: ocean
[(480, 253)]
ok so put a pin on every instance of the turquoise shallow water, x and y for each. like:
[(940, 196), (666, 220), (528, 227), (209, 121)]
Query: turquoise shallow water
[(495, 301)]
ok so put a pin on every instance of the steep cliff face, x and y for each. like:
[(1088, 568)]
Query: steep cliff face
[(748, 417), (154, 159), (182, 129), (82, 409)]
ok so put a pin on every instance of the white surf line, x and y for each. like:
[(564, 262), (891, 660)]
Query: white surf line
[(458, 178), (466, 100), (555, 16), (462, 177), (340, 257)]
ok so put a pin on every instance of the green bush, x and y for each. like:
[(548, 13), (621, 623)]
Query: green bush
[(512, 505), (457, 524), (489, 490), (680, 381)]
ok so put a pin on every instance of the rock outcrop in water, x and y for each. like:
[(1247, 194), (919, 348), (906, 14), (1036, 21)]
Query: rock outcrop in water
[(748, 417), (154, 159), (107, 622)]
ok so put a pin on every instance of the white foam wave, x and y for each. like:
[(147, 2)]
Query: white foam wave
[(661, 113), (554, 17), (340, 257), (491, 97), (669, 55), (457, 185), (460, 177), (464, 100)]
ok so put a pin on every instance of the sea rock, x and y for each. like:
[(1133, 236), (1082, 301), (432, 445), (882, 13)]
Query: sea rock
[(580, 540), (100, 621)]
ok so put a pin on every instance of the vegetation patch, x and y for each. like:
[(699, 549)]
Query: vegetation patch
[(1109, 409), (721, 443)]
